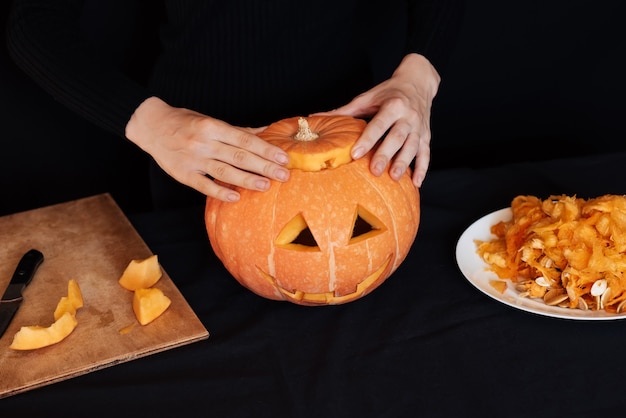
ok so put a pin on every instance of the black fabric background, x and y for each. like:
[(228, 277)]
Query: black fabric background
[(425, 343), (527, 81)]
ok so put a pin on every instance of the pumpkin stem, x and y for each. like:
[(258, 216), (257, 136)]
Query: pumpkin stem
[(304, 131)]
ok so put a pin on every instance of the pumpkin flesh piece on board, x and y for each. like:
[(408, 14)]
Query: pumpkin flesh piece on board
[(141, 274), (149, 304), (70, 303), (35, 336)]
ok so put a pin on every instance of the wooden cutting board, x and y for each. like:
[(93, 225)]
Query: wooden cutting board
[(89, 240)]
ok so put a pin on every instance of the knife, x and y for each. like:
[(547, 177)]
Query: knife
[(12, 297)]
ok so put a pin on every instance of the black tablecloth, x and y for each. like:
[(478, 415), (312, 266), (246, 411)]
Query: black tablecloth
[(425, 343)]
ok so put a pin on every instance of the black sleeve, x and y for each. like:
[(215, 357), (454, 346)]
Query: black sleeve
[(49, 40), (434, 27)]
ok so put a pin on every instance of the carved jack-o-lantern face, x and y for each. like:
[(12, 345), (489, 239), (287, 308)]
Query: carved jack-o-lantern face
[(297, 243), (328, 236)]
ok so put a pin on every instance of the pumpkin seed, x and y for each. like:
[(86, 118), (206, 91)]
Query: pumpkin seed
[(554, 296), (599, 287), (604, 298)]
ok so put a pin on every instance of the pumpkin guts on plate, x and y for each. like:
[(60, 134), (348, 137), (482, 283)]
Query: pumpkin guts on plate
[(569, 251)]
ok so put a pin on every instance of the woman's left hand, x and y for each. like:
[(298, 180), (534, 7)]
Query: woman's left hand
[(401, 107)]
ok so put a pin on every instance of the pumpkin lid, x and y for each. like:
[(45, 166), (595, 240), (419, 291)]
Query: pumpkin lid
[(315, 143)]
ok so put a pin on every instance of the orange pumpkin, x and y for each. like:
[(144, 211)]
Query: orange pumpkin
[(331, 234)]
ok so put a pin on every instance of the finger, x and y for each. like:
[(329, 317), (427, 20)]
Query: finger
[(208, 187), (258, 146), (403, 158), (358, 107), (231, 175), (351, 109), (255, 131), (421, 164), (398, 138), (247, 161), (373, 131), (244, 160)]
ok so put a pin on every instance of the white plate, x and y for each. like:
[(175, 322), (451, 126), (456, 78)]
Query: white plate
[(474, 268)]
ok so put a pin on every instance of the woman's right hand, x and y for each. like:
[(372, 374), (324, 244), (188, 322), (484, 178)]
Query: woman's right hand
[(194, 149)]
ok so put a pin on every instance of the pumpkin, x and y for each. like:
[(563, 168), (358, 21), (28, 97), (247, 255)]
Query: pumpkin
[(329, 235)]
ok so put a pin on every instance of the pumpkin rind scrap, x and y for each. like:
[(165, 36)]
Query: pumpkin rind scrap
[(259, 238)]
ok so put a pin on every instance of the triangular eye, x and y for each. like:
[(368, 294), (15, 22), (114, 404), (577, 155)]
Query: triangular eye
[(296, 235), (366, 225), (360, 227)]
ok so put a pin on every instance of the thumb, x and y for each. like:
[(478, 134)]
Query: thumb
[(354, 108)]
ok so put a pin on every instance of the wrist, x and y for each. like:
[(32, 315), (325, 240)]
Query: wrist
[(423, 74), (144, 118)]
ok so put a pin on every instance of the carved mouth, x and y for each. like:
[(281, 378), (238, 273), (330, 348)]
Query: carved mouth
[(331, 298)]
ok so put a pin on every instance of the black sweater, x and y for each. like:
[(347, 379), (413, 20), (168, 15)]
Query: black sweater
[(244, 61)]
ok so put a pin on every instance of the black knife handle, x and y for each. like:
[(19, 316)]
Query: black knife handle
[(26, 267)]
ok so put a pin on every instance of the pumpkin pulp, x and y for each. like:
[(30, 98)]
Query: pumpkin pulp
[(317, 142)]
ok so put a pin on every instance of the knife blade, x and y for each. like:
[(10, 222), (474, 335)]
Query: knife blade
[(12, 297)]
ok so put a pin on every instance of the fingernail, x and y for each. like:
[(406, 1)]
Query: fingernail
[(282, 158), (262, 184), (378, 168), (418, 181), (396, 173), (358, 152), (232, 197), (282, 175)]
